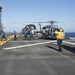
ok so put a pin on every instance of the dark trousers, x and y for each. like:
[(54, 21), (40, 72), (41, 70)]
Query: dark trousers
[(31, 37), (14, 37), (3, 37), (59, 42), (25, 36)]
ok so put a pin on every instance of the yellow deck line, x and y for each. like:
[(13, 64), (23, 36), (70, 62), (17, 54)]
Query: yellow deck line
[(8, 38), (4, 41)]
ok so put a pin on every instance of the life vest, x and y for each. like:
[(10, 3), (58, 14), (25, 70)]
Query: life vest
[(59, 35)]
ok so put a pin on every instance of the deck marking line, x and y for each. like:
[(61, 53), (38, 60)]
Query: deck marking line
[(4, 41), (21, 46), (25, 41), (69, 42), (66, 42)]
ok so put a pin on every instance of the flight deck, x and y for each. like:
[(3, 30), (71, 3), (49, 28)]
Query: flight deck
[(36, 57)]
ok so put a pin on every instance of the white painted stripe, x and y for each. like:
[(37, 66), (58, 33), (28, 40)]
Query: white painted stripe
[(66, 42), (69, 42), (27, 45), (55, 43), (24, 41)]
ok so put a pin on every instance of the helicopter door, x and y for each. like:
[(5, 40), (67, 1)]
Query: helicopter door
[(50, 31)]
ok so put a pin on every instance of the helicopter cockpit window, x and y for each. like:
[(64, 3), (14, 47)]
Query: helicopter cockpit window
[(33, 27), (44, 27)]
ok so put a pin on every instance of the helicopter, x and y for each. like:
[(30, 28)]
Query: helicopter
[(48, 30), (30, 27)]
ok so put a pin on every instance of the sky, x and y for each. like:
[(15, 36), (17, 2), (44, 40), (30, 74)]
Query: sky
[(15, 13)]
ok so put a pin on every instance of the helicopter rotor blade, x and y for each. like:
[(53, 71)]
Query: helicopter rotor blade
[(38, 22)]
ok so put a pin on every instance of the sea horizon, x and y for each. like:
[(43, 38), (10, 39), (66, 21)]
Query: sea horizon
[(69, 34)]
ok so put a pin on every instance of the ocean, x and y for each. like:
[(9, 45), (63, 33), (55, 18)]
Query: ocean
[(70, 34)]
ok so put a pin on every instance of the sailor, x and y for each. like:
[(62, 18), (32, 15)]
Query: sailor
[(15, 34), (3, 35), (59, 36), (25, 35), (31, 35)]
